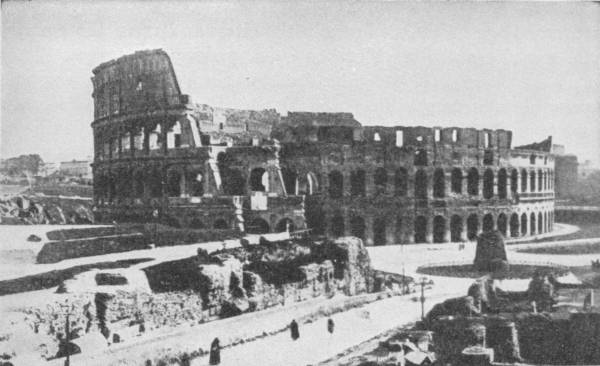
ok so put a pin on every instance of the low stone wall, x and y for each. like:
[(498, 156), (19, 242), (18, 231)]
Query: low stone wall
[(55, 251)]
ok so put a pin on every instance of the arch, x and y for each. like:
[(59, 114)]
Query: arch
[(155, 138), (420, 229), (439, 183), (523, 224), (357, 227), (488, 223), (523, 180), (514, 181), (488, 184), (259, 180), (401, 182), (420, 157), (473, 182), (336, 184), (196, 183), (258, 226), (456, 228), (540, 186), (233, 182), (472, 226), (532, 181), (514, 225), (439, 229), (380, 179), (421, 184), (337, 226), (357, 183), (285, 224), (174, 136), (379, 231), (502, 224), (174, 183), (456, 180), (313, 183), (532, 224), (502, 183), (540, 222), (196, 223), (138, 183), (290, 181)]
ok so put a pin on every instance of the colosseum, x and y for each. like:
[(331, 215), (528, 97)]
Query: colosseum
[(159, 156)]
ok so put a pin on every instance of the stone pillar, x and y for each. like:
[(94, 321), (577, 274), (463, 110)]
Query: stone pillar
[(347, 184), (447, 235), (429, 184), (463, 233), (465, 183)]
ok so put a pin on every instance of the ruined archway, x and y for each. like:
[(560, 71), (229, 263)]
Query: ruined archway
[(420, 229), (290, 180), (473, 182), (439, 229), (456, 228), (336, 184), (472, 226), (439, 183), (312, 182), (488, 184), (514, 225), (421, 184), (196, 183), (357, 227), (284, 224), (337, 226), (379, 230), (502, 184), (502, 224), (456, 179), (258, 226), (420, 157), (488, 223), (357, 183), (259, 180), (401, 182)]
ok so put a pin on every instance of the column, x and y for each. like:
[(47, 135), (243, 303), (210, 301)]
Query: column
[(390, 230), (463, 234), (447, 235)]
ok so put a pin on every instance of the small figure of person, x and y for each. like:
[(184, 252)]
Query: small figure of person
[(330, 325), (215, 353), (294, 330)]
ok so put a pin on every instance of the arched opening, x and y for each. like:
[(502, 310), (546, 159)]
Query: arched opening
[(532, 181), (337, 226), (232, 180), (514, 181), (154, 138), (514, 225), (379, 230), (315, 219), (196, 223), (284, 225), (138, 140), (456, 228), (155, 183), (357, 227), (502, 182), (488, 223), (473, 182), (421, 184), (138, 183), (523, 224), (540, 223), (502, 224), (420, 229), (313, 183), (420, 157), (174, 136), (532, 226), (258, 226), (401, 182), (289, 180), (523, 180), (439, 183), (472, 227), (357, 183), (220, 224), (457, 177), (259, 180), (540, 181), (488, 184), (196, 184), (380, 180), (336, 184), (439, 229), (174, 183)]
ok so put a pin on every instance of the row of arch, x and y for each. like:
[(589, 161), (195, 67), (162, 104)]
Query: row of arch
[(488, 184), (440, 229)]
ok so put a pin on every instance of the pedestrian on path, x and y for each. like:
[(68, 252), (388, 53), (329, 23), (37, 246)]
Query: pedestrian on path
[(330, 325), (294, 330), (215, 353)]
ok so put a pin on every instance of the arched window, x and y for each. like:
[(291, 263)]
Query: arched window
[(380, 180), (357, 227), (401, 182), (472, 227), (420, 229), (502, 182), (233, 182), (524, 224), (473, 182), (420, 157), (488, 184), (456, 228), (457, 178), (259, 180), (196, 184), (379, 231), (514, 225), (337, 226), (439, 183), (336, 184), (289, 180), (125, 142), (514, 181), (488, 223), (502, 224), (540, 181), (439, 229), (540, 219), (532, 181), (357, 183), (421, 184), (523, 180), (532, 224)]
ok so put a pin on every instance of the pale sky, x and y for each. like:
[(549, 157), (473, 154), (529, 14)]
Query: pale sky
[(532, 68)]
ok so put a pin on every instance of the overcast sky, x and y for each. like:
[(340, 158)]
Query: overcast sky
[(532, 68)]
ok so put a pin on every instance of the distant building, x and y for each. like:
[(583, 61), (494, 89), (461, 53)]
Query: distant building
[(76, 168), (565, 166), (47, 169)]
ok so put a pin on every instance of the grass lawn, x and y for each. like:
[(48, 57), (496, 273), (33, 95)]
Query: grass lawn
[(517, 271), (593, 248)]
